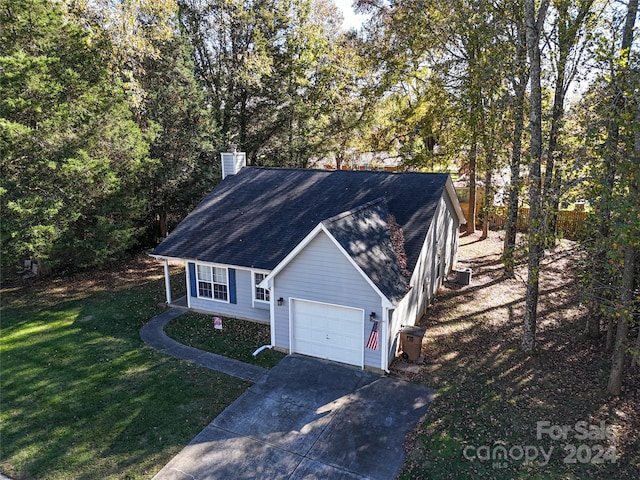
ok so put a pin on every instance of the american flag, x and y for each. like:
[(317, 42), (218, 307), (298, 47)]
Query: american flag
[(373, 337)]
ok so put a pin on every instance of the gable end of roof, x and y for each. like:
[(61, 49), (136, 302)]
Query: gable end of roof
[(364, 234)]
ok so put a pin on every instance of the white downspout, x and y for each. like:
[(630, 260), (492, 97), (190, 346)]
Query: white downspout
[(167, 281), (272, 310), (383, 338), (272, 319), (264, 347)]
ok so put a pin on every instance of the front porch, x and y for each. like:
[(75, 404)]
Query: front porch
[(180, 294), (175, 283), (179, 303)]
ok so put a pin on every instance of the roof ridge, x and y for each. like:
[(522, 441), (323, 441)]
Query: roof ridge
[(324, 170), (355, 210)]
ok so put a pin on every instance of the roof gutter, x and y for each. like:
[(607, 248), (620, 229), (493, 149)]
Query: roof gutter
[(205, 262)]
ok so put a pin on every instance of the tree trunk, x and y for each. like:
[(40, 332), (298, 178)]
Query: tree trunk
[(515, 182), (536, 226), (473, 157), (600, 276), (488, 195), (593, 325), (553, 154), (164, 226), (614, 386)]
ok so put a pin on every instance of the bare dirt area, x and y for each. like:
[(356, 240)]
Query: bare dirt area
[(133, 272), (491, 394)]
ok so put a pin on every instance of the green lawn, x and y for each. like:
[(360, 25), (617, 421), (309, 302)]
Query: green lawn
[(82, 396), (238, 339)]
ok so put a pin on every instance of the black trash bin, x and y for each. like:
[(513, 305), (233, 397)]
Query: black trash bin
[(463, 276)]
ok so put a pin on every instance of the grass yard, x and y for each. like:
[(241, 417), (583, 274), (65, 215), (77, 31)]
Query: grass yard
[(81, 396), (238, 339), (491, 395)]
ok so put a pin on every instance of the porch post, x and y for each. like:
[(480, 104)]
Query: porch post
[(167, 281)]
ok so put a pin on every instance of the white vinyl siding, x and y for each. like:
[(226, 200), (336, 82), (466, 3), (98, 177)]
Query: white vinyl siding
[(436, 260)]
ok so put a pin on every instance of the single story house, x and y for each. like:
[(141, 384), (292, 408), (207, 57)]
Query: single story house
[(335, 261)]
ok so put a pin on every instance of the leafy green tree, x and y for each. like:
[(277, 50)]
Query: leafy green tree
[(174, 107), (465, 49), (570, 34), (272, 74), (619, 213), (569, 22), (414, 122), (71, 153), (342, 117), (611, 97), (610, 119), (135, 29)]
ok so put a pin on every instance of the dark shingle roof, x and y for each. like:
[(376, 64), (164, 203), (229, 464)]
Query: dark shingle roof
[(365, 235), (256, 217)]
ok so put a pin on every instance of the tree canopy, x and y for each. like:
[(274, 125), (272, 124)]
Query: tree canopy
[(72, 153)]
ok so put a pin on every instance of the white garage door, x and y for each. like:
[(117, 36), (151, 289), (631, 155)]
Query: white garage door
[(328, 331)]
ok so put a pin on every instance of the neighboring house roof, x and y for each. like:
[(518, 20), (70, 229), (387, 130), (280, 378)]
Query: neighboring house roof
[(258, 216)]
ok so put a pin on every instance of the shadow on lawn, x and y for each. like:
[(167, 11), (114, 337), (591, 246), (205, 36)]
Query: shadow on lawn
[(83, 398), (490, 391)]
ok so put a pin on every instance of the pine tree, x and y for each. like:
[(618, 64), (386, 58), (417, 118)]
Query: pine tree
[(183, 148), (71, 152)]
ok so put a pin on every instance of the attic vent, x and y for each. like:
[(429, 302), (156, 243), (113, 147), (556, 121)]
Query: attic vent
[(232, 161)]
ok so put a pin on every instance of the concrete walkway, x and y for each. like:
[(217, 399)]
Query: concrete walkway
[(152, 334)]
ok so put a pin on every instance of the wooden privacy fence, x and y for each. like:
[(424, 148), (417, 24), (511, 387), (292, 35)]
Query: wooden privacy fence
[(568, 222)]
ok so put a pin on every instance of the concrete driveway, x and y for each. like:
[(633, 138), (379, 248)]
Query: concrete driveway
[(307, 419)]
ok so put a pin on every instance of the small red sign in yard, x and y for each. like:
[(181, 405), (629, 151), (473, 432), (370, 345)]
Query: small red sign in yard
[(217, 323)]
